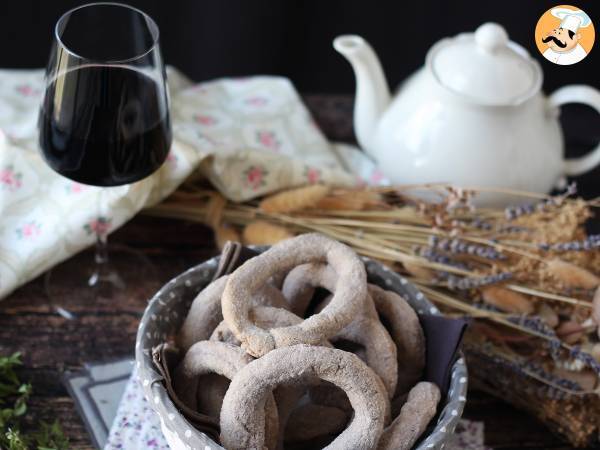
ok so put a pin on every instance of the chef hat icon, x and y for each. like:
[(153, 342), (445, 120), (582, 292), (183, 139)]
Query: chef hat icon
[(571, 19)]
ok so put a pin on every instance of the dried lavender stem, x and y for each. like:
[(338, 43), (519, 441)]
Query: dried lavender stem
[(548, 295), (457, 304), (472, 188), (523, 363), (390, 227), (503, 248)]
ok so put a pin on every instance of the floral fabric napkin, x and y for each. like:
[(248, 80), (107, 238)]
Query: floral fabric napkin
[(248, 136), (136, 425)]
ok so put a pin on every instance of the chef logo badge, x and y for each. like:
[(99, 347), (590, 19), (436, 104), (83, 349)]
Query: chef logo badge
[(564, 35)]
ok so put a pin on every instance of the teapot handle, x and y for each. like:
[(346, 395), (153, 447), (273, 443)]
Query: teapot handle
[(586, 95)]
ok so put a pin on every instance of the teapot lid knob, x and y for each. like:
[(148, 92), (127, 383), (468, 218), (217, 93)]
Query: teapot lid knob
[(485, 67), (491, 37)]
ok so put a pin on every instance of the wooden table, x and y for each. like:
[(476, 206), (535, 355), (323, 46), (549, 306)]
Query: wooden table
[(52, 344)]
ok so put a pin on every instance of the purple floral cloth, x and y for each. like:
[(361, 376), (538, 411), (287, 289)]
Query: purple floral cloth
[(136, 425), (468, 436)]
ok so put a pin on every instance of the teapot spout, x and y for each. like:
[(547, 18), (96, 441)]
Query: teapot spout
[(372, 92)]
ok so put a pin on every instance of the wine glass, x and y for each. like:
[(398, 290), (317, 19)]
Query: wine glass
[(104, 120)]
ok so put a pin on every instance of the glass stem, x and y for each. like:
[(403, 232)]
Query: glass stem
[(104, 273), (101, 248), (101, 252)]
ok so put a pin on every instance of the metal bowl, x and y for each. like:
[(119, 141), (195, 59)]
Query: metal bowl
[(168, 308)]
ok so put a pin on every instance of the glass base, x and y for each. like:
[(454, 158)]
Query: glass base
[(81, 286), (106, 275)]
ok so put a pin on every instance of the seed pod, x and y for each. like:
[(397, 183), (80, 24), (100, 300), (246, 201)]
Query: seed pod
[(548, 315), (224, 233), (350, 201), (572, 275), (570, 331), (261, 232), (506, 300), (294, 199), (214, 210)]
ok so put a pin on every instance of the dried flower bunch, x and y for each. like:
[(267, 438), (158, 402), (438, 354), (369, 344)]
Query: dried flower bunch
[(528, 274)]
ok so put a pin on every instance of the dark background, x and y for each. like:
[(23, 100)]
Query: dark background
[(215, 38)]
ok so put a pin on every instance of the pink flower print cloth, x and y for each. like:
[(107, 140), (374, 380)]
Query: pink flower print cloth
[(248, 136)]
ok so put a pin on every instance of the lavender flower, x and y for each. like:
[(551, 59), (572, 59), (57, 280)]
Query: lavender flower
[(526, 368), (533, 323), (439, 258), (512, 212), (590, 243), (508, 229), (586, 358), (476, 222), (555, 346), (481, 224), (466, 283), (456, 246)]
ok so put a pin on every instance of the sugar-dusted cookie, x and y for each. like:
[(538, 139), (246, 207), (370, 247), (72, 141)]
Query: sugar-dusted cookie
[(347, 301), (415, 415), (205, 312), (242, 418), (208, 357)]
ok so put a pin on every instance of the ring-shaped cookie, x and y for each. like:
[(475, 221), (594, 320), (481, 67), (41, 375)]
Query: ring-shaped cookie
[(300, 283), (402, 323), (242, 421), (349, 293), (205, 313), (380, 350), (210, 357), (366, 330), (415, 415), (268, 317)]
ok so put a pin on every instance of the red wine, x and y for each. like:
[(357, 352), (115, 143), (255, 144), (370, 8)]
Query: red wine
[(105, 125)]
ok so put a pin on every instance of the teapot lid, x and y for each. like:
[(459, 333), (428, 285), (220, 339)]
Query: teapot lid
[(485, 67)]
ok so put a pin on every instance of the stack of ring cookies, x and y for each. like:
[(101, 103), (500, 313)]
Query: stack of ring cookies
[(295, 349)]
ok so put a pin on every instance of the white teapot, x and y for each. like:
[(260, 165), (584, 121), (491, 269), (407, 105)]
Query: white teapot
[(473, 116)]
